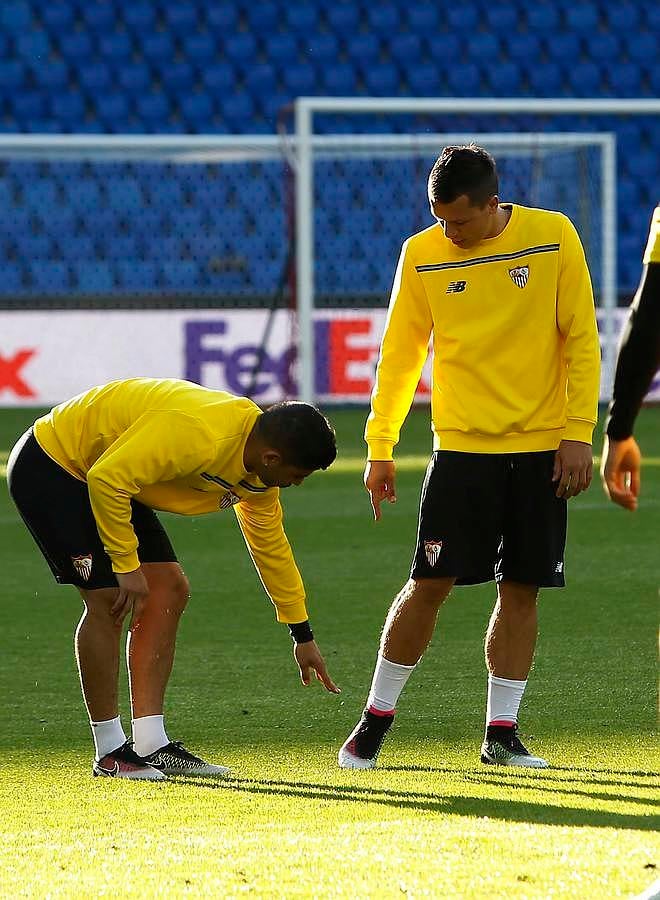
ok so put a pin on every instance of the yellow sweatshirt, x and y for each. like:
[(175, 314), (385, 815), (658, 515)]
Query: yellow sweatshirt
[(174, 446), (652, 252), (516, 355)]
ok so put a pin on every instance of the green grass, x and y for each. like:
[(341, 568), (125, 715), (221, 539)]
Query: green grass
[(430, 821)]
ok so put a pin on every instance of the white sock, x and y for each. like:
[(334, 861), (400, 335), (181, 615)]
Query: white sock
[(388, 682), (504, 696), (149, 734), (108, 736)]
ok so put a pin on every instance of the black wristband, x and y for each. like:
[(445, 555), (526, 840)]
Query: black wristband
[(301, 632)]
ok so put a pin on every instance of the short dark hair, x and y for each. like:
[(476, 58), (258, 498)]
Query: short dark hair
[(467, 170), (300, 432)]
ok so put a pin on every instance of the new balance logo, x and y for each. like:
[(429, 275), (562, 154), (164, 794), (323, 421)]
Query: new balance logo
[(559, 568), (455, 287), (519, 275)]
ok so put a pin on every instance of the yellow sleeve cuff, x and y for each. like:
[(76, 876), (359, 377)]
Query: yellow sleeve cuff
[(380, 450), (292, 612), (125, 563), (578, 430)]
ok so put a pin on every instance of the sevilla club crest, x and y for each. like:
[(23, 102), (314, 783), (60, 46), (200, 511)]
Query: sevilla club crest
[(432, 550), (519, 275)]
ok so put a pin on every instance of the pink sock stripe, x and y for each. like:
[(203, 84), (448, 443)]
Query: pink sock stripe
[(381, 712), (506, 722)]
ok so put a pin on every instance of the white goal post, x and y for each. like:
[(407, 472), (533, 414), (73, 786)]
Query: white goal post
[(310, 147)]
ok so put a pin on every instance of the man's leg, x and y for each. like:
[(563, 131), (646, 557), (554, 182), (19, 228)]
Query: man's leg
[(150, 647), (509, 649), (408, 629)]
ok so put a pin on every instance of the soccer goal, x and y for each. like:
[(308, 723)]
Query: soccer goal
[(359, 195)]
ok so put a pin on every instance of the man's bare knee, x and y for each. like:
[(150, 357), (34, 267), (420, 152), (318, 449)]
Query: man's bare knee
[(430, 591)]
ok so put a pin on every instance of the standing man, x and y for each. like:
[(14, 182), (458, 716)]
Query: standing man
[(506, 293), (86, 480), (637, 363)]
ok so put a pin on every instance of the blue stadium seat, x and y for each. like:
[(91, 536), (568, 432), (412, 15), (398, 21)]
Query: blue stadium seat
[(462, 17), (59, 221), (28, 105), (265, 275), (58, 17), (425, 79), (121, 246), (302, 18), (382, 79), (542, 17), (153, 108), (117, 46), (93, 277), (643, 165), (275, 104), (94, 76), (220, 77), (644, 47), (157, 47), (139, 16), (99, 17), (200, 47), (545, 79), (83, 194), (197, 109), (111, 106), (464, 79), (68, 108), (160, 247), (300, 78), (12, 75), (137, 275), (181, 18), (281, 48), (15, 16), (188, 222), (52, 74), (32, 43), (384, 17), (134, 77), (622, 17), (563, 47), (483, 46), (264, 16), (504, 18), (182, 275), (603, 47), (11, 277), (80, 246), (34, 246), (652, 14), (124, 194), (222, 17), (167, 193), (584, 78), (321, 47), (150, 221), (363, 48), (176, 76), (582, 18), (241, 48), (423, 17), (49, 276), (338, 79), (406, 48), (343, 17), (524, 48), (625, 78), (504, 78), (77, 47), (260, 79)]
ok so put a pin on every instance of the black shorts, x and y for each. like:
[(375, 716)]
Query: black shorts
[(486, 516), (55, 507)]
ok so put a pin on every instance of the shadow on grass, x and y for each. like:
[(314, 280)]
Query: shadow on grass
[(479, 807)]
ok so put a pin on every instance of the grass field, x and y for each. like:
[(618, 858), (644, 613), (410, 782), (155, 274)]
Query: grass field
[(430, 821)]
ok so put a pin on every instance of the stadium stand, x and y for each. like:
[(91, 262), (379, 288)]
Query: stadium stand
[(231, 67)]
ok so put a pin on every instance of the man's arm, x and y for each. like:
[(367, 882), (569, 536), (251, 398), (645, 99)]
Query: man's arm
[(576, 319), (403, 352), (260, 520)]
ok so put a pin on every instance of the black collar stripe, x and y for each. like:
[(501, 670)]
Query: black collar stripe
[(252, 487), (543, 248), (217, 480)]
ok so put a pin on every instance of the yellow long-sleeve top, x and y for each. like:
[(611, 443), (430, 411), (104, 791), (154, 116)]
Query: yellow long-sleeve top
[(516, 356), (173, 446), (652, 251)]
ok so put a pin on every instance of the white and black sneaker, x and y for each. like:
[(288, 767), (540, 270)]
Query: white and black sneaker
[(503, 747), (125, 763), (361, 748), (174, 759)]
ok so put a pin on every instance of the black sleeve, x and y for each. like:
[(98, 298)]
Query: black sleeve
[(639, 356)]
